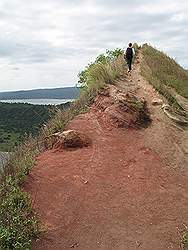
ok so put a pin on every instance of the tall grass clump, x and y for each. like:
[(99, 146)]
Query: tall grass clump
[(164, 74), (136, 48), (106, 68), (20, 161)]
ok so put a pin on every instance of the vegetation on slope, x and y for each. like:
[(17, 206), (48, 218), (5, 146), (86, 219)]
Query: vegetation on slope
[(164, 74), (18, 224)]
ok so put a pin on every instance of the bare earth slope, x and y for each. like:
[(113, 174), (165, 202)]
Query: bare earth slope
[(126, 191)]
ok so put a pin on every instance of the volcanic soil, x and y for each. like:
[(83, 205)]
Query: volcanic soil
[(126, 191)]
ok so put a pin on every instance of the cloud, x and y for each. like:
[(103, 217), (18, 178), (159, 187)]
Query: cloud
[(51, 41)]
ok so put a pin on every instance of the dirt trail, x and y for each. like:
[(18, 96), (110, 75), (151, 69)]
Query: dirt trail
[(127, 191)]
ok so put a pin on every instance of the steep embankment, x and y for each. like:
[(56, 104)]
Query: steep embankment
[(127, 190)]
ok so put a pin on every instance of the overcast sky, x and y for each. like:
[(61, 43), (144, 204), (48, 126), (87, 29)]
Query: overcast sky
[(45, 43)]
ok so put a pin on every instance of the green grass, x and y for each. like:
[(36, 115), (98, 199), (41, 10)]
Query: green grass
[(164, 74), (18, 224)]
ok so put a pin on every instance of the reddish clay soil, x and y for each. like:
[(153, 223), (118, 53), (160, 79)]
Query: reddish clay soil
[(119, 193)]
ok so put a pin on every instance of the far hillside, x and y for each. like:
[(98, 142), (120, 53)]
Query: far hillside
[(165, 74), (55, 93), (19, 119)]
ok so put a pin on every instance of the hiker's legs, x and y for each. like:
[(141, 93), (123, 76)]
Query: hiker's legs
[(129, 63)]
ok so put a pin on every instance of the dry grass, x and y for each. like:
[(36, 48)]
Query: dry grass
[(164, 74), (20, 161)]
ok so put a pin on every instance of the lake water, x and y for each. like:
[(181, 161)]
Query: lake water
[(39, 101)]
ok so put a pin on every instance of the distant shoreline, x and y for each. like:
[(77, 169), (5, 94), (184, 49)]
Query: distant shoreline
[(38, 101), (56, 93)]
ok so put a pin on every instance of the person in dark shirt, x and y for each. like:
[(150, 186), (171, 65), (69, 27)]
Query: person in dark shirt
[(129, 56)]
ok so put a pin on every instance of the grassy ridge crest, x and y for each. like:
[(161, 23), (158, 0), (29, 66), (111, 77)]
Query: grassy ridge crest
[(165, 74)]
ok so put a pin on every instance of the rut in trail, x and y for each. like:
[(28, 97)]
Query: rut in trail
[(128, 190)]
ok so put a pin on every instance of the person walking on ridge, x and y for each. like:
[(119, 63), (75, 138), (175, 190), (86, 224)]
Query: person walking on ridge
[(129, 56)]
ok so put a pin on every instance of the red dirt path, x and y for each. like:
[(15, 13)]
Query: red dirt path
[(131, 199), (116, 194)]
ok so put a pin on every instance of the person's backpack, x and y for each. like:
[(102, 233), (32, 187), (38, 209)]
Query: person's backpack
[(129, 53)]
